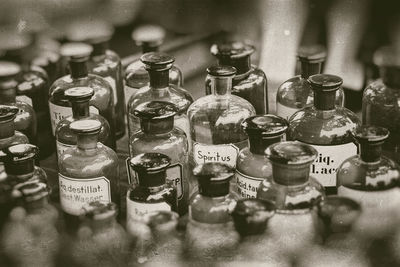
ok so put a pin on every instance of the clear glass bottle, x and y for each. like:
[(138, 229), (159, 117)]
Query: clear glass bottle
[(159, 135), (294, 193), (210, 232), (252, 166), (249, 82), (88, 172), (215, 121), (371, 178), (149, 38), (79, 98), (25, 120), (153, 192), (102, 101), (327, 127), (381, 100), (159, 88), (296, 93)]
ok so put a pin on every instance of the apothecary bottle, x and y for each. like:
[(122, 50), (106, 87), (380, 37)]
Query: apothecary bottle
[(25, 120), (149, 38), (159, 135), (88, 172), (294, 193), (102, 101), (381, 100), (210, 232), (158, 66), (327, 127), (215, 121), (249, 82), (152, 192), (252, 166), (79, 98)]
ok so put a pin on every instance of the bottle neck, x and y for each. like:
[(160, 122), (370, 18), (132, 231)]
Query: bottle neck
[(146, 48), (7, 129), (290, 175), (21, 170), (99, 49), (242, 65), (308, 69), (214, 190), (259, 144), (370, 152), (390, 76), (157, 126), (221, 86), (78, 69), (80, 109), (102, 224), (324, 100), (87, 141), (159, 79), (8, 96), (153, 181)]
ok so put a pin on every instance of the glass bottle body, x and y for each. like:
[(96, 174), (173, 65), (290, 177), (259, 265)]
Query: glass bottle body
[(25, 121)]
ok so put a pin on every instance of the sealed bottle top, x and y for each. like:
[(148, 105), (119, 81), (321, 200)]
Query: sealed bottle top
[(265, 125), (325, 82), (21, 152), (151, 168), (312, 53), (85, 126), (221, 71), (291, 153), (149, 35), (76, 94), (8, 113), (162, 222), (32, 191), (370, 134), (75, 50), (157, 61), (156, 110), (251, 215), (8, 69), (213, 178), (99, 211), (232, 50)]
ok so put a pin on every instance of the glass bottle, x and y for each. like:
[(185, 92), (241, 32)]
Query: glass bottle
[(88, 172), (149, 38), (210, 232), (252, 166), (249, 82), (327, 127), (79, 98), (294, 193), (159, 88), (381, 100), (296, 93), (25, 120), (159, 135), (102, 101), (372, 179), (215, 121)]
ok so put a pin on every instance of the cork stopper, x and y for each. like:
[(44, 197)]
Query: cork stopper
[(213, 178)]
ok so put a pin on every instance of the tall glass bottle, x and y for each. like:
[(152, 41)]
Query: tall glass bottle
[(252, 166), (158, 66), (327, 127), (25, 120), (158, 134), (250, 82), (294, 194), (210, 232), (102, 101), (149, 38), (88, 172), (215, 121), (296, 93), (79, 98), (381, 100)]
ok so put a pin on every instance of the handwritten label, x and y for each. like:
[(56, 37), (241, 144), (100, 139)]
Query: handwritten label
[(203, 153), (284, 111), (25, 99), (136, 210), (113, 85), (61, 147), (247, 186), (75, 193)]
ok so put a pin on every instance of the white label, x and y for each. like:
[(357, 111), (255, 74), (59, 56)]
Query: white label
[(25, 99), (128, 93), (61, 147), (284, 111), (58, 113), (328, 161), (215, 153), (113, 84), (136, 210), (247, 185), (75, 193)]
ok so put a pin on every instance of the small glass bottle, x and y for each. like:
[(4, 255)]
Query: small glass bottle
[(79, 98), (149, 38), (25, 120), (327, 127), (294, 194), (88, 172), (159, 135), (381, 100), (371, 178), (215, 120), (102, 101), (153, 192), (296, 93), (252, 166), (158, 66), (249, 82), (210, 232)]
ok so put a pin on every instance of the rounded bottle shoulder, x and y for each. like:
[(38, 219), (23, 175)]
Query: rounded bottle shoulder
[(160, 141), (17, 138), (294, 92), (255, 78), (378, 93), (252, 164), (212, 209), (232, 104)]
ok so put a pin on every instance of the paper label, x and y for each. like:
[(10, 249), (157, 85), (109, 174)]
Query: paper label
[(75, 193), (128, 93), (284, 111), (215, 153), (136, 210), (25, 99), (247, 185), (113, 85), (61, 147), (58, 113)]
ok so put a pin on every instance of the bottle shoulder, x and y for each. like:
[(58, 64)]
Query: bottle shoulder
[(255, 78), (231, 104), (212, 209), (253, 165), (378, 93)]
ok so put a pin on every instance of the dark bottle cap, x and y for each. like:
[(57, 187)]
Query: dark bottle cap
[(338, 213), (8, 69), (85, 126), (76, 94), (265, 125), (155, 110), (325, 82), (19, 159), (221, 71), (45, 58), (75, 50), (162, 222), (232, 50), (157, 61), (99, 211), (213, 178), (370, 134), (291, 153), (312, 53), (151, 168), (32, 190), (150, 35), (8, 113), (251, 215)]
